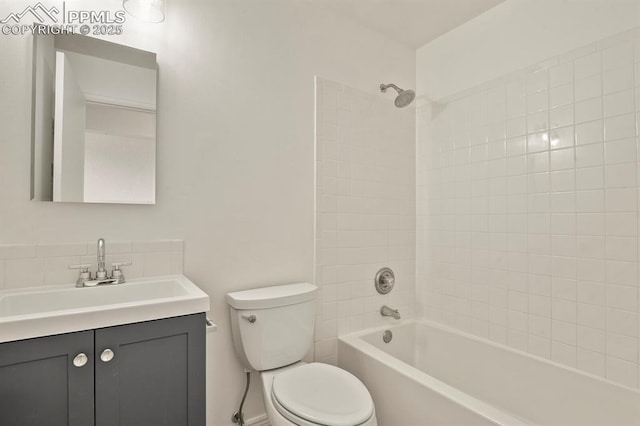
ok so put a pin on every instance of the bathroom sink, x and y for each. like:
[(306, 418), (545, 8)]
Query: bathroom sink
[(52, 300), (43, 311)]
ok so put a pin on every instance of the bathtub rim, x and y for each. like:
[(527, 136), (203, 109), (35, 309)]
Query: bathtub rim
[(448, 392), (469, 402), (486, 341)]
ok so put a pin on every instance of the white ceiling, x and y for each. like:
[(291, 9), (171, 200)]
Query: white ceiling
[(410, 22)]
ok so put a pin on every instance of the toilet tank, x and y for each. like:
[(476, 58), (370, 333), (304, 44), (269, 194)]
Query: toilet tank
[(272, 326)]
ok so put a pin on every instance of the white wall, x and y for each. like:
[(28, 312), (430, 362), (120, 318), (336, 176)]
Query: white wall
[(528, 182), (235, 149), (514, 35)]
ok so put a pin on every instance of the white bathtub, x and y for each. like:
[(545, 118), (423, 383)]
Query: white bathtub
[(433, 375)]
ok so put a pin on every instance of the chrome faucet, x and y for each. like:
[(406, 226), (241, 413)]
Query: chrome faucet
[(101, 273), (386, 311), (85, 280)]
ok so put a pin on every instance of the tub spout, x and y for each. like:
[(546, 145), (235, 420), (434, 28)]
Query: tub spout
[(386, 311)]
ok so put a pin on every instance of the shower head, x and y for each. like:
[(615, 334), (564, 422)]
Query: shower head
[(404, 98)]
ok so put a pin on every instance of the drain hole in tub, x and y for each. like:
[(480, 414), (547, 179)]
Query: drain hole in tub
[(387, 336)]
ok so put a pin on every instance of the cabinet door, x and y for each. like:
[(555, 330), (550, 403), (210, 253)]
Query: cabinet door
[(40, 385), (156, 376)]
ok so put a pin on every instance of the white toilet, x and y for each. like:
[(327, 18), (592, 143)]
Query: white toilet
[(272, 331)]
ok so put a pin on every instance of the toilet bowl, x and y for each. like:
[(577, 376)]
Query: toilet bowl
[(316, 394), (272, 330)]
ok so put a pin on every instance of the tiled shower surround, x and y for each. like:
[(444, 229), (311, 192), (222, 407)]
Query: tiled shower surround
[(528, 192), (365, 209)]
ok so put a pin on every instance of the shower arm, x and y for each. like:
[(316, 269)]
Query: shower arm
[(384, 87)]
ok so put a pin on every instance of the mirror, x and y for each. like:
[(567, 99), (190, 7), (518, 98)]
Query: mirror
[(93, 121)]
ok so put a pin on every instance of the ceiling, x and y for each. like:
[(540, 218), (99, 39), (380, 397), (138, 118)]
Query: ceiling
[(410, 22)]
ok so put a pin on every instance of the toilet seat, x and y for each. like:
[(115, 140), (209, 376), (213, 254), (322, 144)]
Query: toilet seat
[(321, 394)]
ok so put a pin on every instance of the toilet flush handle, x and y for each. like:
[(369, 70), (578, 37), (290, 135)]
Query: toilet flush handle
[(250, 318)]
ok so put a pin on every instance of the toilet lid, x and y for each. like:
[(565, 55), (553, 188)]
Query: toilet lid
[(323, 394)]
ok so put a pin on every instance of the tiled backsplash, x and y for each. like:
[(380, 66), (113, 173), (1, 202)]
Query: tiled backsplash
[(365, 209), (528, 209), (29, 265)]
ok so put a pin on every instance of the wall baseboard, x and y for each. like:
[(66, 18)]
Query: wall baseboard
[(260, 420)]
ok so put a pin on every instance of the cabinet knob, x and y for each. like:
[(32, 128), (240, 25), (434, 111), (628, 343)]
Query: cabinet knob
[(80, 360), (106, 355)]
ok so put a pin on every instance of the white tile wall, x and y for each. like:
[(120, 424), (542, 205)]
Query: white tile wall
[(365, 209), (31, 265), (528, 191)]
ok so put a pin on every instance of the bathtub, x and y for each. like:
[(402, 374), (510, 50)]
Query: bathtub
[(429, 374)]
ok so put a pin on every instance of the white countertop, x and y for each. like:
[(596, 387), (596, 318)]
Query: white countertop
[(44, 311)]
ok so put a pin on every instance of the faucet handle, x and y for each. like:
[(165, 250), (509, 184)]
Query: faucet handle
[(116, 272), (83, 268), (84, 276)]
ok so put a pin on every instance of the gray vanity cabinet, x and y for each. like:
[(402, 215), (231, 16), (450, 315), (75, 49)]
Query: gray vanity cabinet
[(39, 385), (156, 376), (143, 374)]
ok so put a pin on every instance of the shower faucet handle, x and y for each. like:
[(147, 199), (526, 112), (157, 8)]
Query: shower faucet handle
[(385, 280)]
